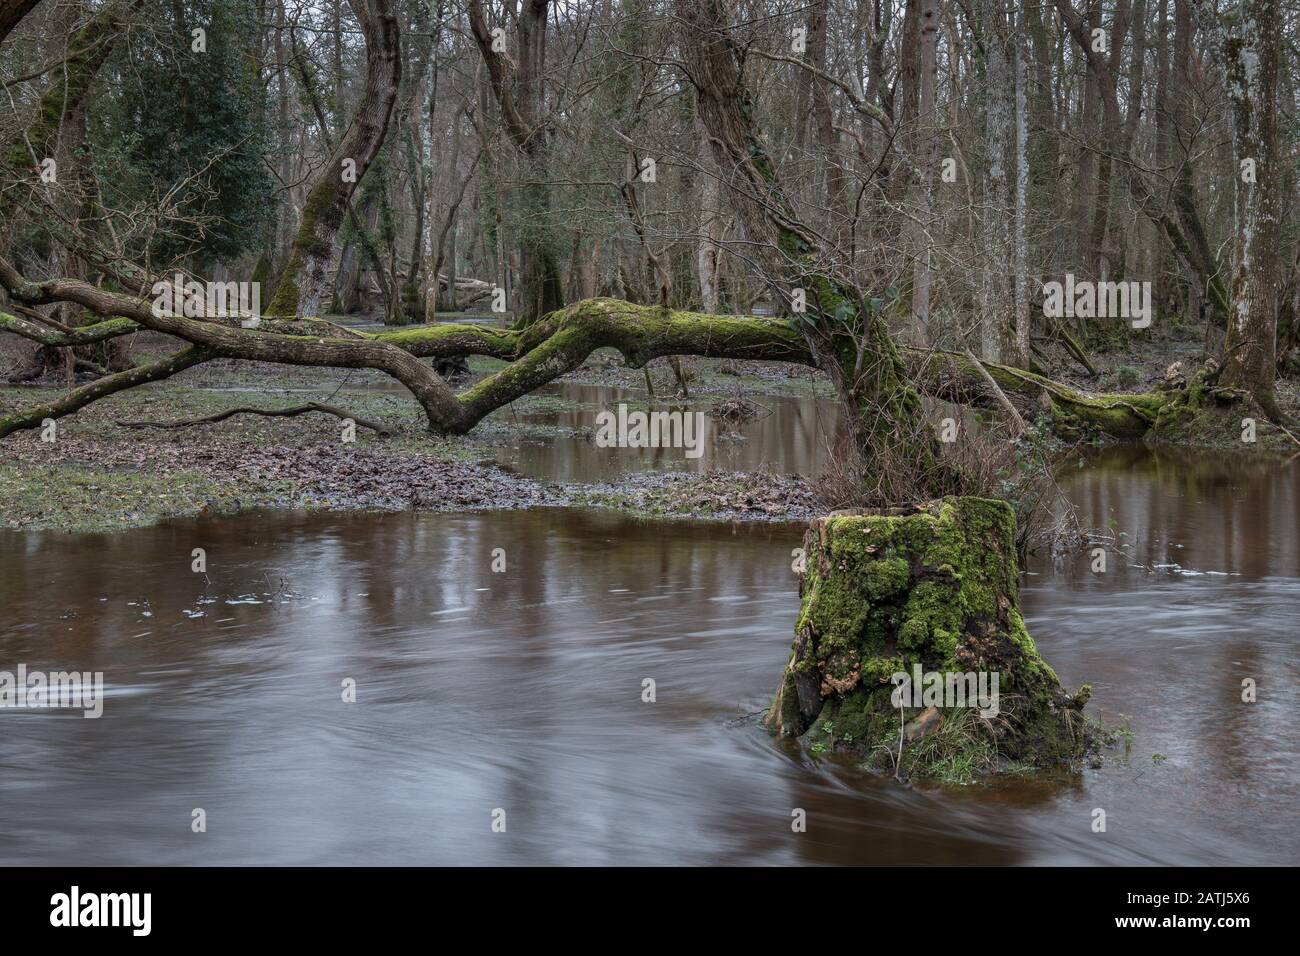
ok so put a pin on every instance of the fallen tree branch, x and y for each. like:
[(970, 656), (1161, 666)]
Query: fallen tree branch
[(85, 335), (434, 395), (472, 289), (952, 377), (1017, 423), (1073, 347), (291, 412), (79, 398)]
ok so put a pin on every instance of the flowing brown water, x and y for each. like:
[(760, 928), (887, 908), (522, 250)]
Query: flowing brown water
[(522, 690)]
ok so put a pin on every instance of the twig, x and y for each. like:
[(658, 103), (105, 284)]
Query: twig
[(269, 412)]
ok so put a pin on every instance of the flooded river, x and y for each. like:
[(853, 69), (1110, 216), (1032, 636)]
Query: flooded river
[(521, 691)]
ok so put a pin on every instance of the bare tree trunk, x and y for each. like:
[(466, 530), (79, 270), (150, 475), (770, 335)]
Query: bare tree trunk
[(1111, 132), (518, 94), (305, 280), (284, 234), (834, 179), (1252, 56), (1136, 98), (1022, 287), (996, 219), (345, 280), (923, 273), (448, 235), (1085, 201), (708, 249), (1200, 258), (1045, 149), (410, 120), (336, 17), (1165, 264)]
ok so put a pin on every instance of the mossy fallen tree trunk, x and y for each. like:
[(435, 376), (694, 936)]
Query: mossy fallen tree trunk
[(927, 591), (953, 377), (79, 398), (558, 344)]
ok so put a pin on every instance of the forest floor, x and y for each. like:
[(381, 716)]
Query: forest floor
[(100, 476)]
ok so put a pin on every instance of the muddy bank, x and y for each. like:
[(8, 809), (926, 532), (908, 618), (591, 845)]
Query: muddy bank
[(97, 475), (736, 496), (101, 485)]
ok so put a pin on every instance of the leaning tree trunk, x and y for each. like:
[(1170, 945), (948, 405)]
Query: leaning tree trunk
[(932, 589), (12, 12), (305, 281), (849, 339), (518, 92), (67, 94)]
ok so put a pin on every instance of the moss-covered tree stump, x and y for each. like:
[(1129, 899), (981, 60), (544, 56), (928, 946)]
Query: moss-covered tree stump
[(934, 586)]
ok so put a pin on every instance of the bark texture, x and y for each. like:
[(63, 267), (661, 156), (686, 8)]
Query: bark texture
[(934, 588)]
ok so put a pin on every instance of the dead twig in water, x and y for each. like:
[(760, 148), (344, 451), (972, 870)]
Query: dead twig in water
[(744, 717)]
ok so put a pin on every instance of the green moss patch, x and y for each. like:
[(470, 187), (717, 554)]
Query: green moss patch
[(936, 588)]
